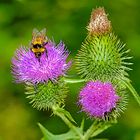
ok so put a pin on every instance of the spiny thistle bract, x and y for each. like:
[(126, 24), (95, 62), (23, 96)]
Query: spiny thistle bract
[(102, 100), (45, 96), (102, 56)]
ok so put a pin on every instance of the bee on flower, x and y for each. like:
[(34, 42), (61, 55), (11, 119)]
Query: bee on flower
[(39, 40), (41, 62)]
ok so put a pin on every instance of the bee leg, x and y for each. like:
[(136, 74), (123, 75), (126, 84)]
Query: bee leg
[(46, 53), (45, 43), (38, 59), (38, 55)]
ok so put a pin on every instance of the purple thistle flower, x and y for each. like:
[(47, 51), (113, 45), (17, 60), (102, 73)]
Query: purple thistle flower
[(27, 68), (98, 98)]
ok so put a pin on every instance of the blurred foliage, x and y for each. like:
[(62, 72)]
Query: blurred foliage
[(64, 20)]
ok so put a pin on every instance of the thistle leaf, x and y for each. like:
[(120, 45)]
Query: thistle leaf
[(82, 124), (49, 136), (46, 133)]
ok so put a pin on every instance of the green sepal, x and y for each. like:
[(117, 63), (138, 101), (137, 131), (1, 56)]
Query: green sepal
[(49, 136)]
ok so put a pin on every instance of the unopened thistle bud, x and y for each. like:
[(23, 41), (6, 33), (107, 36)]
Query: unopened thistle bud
[(102, 56)]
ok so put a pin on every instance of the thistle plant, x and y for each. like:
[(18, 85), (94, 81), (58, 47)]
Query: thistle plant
[(102, 63)]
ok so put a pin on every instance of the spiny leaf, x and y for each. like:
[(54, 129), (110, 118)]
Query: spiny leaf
[(46, 133), (82, 124), (49, 136)]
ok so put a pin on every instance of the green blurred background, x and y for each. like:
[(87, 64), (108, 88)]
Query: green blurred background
[(65, 20)]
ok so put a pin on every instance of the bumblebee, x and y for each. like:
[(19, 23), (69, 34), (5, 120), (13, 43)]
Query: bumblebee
[(38, 43)]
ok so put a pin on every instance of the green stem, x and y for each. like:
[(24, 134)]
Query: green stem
[(133, 91), (92, 128), (100, 130), (67, 122), (96, 128), (68, 80)]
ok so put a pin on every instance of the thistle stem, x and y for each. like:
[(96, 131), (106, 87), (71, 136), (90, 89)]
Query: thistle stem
[(90, 130), (100, 130), (67, 122), (68, 80), (133, 91), (96, 128)]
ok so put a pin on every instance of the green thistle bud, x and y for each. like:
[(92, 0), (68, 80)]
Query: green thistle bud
[(47, 95), (102, 56)]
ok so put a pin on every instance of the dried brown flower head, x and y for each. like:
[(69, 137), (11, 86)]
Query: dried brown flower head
[(99, 23)]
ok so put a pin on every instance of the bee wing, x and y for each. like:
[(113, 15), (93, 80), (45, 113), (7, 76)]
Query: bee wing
[(35, 32), (43, 32)]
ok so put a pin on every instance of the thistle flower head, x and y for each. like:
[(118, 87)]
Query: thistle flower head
[(52, 64), (99, 99), (99, 23)]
